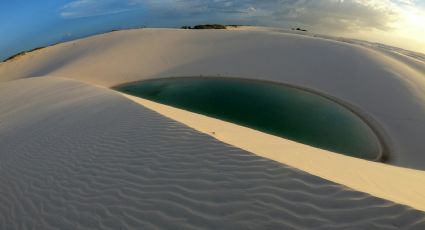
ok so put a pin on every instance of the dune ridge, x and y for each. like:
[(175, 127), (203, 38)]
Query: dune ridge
[(75, 154), (374, 178), (389, 88), (82, 157)]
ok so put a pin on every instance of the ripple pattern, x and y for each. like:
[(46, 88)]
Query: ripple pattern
[(74, 156)]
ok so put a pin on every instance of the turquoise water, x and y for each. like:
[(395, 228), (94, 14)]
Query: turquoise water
[(276, 109)]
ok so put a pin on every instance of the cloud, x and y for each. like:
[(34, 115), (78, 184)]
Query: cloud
[(323, 15), (193, 6), (89, 8), (332, 15), (340, 15)]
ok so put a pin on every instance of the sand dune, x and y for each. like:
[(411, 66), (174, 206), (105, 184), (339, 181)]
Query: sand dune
[(377, 179), (74, 154), (389, 88), (81, 157)]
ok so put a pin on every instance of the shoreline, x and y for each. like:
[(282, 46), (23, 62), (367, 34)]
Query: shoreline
[(375, 178), (63, 94), (90, 149), (385, 151)]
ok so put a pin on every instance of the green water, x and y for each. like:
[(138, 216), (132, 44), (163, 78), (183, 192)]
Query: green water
[(276, 109)]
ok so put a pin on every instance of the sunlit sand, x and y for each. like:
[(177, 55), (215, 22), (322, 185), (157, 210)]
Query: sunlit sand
[(71, 143)]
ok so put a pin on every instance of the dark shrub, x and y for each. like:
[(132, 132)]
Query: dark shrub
[(209, 26), (21, 54)]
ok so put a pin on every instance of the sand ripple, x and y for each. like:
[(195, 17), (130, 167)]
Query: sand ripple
[(77, 157)]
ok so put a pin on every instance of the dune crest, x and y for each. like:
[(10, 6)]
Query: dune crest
[(76, 154), (389, 88), (81, 157)]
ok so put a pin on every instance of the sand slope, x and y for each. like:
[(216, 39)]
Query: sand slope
[(388, 86), (400, 185), (75, 156)]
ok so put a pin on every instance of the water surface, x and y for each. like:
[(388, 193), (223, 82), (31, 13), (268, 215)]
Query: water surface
[(284, 111)]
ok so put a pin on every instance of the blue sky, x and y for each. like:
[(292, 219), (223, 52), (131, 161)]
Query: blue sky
[(26, 24)]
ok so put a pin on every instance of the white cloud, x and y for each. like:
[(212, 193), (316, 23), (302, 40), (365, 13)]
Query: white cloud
[(338, 15), (328, 15), (332, 15), (89, 8), (395, 21)]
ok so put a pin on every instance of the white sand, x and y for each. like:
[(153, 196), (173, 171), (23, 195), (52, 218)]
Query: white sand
[(74, 156), (386, 85), (389, 88), (397, 184)]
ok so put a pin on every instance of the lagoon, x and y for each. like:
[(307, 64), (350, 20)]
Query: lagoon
[(289, 112)]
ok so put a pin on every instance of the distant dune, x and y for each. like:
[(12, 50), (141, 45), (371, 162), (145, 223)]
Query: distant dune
[(76, 154)]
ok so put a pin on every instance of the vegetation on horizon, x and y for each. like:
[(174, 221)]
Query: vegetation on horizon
[(196, 27), (209, 26), (22, 53), (299, 29)]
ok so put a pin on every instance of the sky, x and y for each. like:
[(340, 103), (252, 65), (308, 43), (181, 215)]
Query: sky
[(27, 24)]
